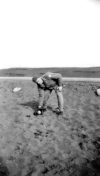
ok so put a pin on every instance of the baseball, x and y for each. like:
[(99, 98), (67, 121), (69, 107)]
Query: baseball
[(16, 89), (98, 92), (39, 112)]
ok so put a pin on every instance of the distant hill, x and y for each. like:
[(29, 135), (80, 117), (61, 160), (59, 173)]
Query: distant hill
[(65, 71)]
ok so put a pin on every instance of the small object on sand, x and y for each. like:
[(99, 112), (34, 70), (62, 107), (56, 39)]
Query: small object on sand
[(98, 92), (38, 112), (28, 115), (16, 89)]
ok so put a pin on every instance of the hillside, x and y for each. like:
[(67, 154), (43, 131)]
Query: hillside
[(65, 71)]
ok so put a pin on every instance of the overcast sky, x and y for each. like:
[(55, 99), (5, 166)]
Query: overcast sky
[(49, 33)]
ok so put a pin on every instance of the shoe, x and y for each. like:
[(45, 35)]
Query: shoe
[(56, 110), (44, 109), (39, 107), (60, 113)]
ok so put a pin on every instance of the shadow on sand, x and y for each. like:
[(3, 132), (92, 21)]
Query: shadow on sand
[(33, 104)]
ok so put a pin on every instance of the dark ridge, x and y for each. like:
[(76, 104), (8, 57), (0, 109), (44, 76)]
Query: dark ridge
[(65, 71)]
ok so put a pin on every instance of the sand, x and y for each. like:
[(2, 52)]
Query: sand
[(49, 145)]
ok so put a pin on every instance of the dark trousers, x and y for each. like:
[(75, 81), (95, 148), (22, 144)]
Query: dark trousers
[(44, 96)]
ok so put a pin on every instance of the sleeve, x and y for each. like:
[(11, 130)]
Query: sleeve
[(40, 90), (56, 76)]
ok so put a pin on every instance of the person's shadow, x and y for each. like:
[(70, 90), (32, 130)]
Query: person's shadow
[(33, 104)]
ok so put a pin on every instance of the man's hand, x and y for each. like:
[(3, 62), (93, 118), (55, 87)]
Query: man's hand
[(60, 88), (39, 80)]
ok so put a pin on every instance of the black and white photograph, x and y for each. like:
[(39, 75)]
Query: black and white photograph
[(50, 88)]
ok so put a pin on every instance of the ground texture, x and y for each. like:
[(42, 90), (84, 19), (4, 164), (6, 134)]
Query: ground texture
[(49, 145)]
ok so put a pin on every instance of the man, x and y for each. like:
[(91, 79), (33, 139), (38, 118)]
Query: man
[(46, 84)]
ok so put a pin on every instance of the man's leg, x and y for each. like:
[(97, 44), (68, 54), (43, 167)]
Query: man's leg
[(46, 97), (60, 100), (41, 97), (39, 110)]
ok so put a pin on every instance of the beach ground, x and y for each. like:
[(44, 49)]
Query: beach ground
[(49, 145)]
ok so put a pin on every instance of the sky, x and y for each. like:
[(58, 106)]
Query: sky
[(49, 33)]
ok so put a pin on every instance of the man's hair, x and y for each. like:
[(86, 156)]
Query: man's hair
[(34, 79)]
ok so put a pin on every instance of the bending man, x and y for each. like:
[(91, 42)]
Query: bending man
[(46, 84)]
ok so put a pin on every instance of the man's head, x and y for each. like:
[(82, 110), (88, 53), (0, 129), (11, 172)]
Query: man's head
[(37, 79), (34, 79)]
